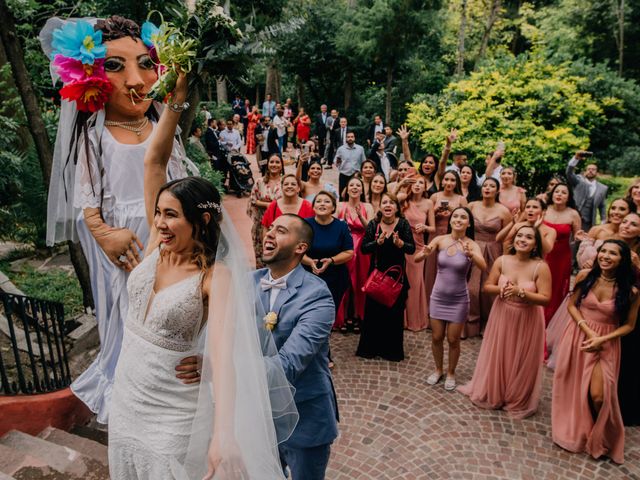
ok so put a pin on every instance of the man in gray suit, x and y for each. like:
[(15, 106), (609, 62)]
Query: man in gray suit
[(304, 314), (589, 194)]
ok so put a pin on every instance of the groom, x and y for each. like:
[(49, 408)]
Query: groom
[(305, 313)]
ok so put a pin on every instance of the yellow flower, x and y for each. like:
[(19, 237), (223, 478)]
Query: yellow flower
[(270, 320)]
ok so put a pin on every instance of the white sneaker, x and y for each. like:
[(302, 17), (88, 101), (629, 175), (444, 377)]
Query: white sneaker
[(450, 383), (434, 378)]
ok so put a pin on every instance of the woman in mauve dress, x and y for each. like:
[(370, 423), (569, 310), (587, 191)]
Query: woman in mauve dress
[(489, 217), (449, 301), (585, 414), (508, 372)]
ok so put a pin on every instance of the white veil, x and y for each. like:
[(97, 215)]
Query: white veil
[(244, 398)]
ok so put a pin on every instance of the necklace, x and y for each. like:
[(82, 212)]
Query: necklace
[(605, 279), (135, 126)]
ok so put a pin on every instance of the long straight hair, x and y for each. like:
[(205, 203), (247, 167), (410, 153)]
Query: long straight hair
[(470, 232)]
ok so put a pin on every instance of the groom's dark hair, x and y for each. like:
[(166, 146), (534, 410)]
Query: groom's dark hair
[(304, 230)]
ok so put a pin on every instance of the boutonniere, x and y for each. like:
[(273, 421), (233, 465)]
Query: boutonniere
[(270, 320)]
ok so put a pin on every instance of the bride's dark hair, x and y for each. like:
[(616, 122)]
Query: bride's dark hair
[(198, 196)]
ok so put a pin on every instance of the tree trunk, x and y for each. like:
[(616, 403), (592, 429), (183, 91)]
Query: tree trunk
[(300, 91), (189, 115), (221, 90), (258, 96), (272, 84), (461, 34), (619, 7), (15, 56), (491, 21), (348, 88), (387, 104)]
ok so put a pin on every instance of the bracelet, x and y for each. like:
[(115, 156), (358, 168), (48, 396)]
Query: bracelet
[(332, 260), (178, 107)]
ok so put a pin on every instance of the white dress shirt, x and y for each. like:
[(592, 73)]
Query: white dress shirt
[(273, 294)]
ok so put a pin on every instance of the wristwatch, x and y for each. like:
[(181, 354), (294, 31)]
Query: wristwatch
[(178, 107)]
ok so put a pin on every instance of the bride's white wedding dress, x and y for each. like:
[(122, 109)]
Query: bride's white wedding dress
[(152, 411)]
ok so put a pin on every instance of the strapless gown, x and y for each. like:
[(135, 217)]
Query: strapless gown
[(559, 260), (151, 410), (508, 372), (572, 425), (480, 302)]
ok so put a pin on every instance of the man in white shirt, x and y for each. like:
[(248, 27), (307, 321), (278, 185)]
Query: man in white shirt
[(281, 125), (349, 158), (230, 138)]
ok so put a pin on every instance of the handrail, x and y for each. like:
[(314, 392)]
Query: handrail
[(37, 358)]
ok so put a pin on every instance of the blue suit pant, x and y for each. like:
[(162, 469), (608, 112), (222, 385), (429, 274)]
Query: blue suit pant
[(305, 463)]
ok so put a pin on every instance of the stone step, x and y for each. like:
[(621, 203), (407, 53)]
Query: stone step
[(5, 477), (63, 463), (13, 462), (87, 447)]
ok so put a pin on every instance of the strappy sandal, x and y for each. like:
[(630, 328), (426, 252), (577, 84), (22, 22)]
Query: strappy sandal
[(434, 378), (356, 326), (450, 383)]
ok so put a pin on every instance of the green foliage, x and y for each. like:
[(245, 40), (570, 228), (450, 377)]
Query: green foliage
[(535, 107), (206, 171)]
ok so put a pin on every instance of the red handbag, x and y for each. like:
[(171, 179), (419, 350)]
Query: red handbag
[(383, 287)]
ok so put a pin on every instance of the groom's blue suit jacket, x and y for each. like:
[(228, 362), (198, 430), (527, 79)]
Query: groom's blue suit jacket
[(306, 313)]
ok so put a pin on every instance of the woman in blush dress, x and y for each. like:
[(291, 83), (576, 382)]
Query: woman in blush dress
[(562, 216), (511, 196), (489, 217), (444, 202), (253, 118), (585, 415), (367, 170), (290, 202), (264, 191), (532, 215), (508, 372), (418, 210), (314, 183), (449, 301), (378, 188), (633, 193), (357, 213), (388, 239)]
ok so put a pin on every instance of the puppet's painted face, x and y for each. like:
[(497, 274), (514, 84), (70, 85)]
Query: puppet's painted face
[(132, 73)]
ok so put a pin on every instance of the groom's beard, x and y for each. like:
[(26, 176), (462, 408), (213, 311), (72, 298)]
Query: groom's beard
[(282, 254)]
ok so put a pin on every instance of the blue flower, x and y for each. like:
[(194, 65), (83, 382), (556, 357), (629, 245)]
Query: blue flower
[(79, 41), (149, 33)]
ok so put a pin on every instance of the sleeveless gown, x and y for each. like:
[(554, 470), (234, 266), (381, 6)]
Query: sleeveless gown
[(508, 372), (572, 425), (358, 268), (450, 296), (559, 260), (416, 314), (151, 410), (480, 306), (431, 263)]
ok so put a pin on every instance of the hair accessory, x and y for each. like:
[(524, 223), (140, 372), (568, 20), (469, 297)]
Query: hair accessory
[(210, 205), (78, 58)]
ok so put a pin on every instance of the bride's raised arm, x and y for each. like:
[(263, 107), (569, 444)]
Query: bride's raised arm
[(157, 156)]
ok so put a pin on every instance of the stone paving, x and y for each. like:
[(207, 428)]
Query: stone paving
[(396, 427)]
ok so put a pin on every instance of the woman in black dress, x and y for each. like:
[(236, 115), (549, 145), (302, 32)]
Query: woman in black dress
[(388, 238)]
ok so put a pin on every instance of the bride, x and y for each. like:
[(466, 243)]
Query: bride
[(191, 295)]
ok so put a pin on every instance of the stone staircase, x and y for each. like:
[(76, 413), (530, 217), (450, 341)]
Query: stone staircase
[(54, 455)]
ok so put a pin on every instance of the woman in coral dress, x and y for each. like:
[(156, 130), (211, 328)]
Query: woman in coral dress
[(357, 213), (508, 372), (252, 122), (565, 220), (489, 217), (418, 210), (303, 126), (585, 414), (511, 196)]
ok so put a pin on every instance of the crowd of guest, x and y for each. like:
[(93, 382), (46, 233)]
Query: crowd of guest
[(411, 244)]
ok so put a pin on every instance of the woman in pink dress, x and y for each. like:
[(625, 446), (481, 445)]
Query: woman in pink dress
[(489, 218), (357, 213), (444, 202), (511, 196), (376, 191), (585, 414), (633, 193), (565, 220), (508, 372), (418, 210)]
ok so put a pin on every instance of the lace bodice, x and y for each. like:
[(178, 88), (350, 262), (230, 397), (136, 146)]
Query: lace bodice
[(171, 318)]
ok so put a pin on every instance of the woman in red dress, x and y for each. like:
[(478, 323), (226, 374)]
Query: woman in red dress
[(303, 126), (252, 121), (565, 220)]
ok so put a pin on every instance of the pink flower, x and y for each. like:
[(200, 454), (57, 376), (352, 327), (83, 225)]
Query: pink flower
[(72, 70)]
